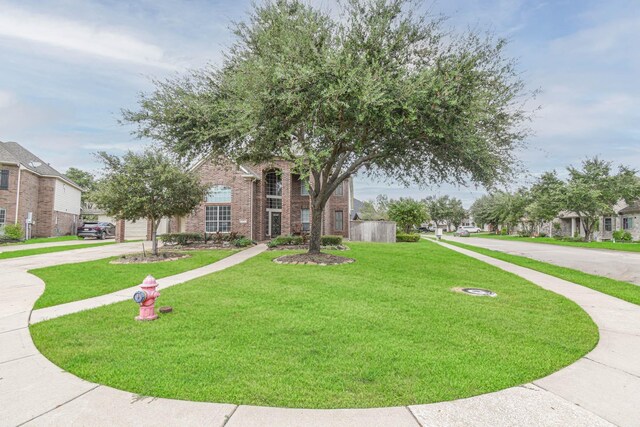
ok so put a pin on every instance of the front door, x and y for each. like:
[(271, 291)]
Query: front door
[(275, 223)]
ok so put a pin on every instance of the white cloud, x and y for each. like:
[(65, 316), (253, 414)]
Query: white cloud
[(97, 41)]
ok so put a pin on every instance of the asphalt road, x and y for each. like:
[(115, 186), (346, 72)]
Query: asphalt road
[(617, 265)]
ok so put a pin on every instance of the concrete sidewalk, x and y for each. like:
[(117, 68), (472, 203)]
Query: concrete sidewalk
[(618, 265), (126, 294), (600, 389)]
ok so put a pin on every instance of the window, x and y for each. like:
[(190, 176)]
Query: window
[(4, 179), (627, 223), (607, 224), (274, 184), (217, 219), (3, 217), (339, 221), (339, 191), (305, 219), (219, 194), (304, 188)]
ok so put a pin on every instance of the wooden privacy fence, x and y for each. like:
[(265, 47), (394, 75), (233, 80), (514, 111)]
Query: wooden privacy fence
[(373, 231)]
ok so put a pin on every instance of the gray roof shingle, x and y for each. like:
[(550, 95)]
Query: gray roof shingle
[(12, 152)]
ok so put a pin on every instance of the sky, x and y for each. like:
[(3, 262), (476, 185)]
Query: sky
[(68, 67)]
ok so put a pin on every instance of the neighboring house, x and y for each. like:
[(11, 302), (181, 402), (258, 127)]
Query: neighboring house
[(261, 202), (626, 217), (355, 208), (35, 195)]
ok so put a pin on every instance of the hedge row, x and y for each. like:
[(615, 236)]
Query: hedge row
[(404, 238), (301, 240)]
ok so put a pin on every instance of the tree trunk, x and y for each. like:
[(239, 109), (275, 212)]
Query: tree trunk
[(316, 229), (154, 237)]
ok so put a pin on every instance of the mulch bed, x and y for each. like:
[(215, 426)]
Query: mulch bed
[(142, 259), (306, 247), (314, 259)]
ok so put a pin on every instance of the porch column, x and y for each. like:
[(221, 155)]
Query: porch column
[(573, 227)]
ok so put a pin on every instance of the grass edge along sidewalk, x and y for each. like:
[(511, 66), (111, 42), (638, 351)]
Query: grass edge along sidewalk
[(624, 290), (607, 246), (48, 250)]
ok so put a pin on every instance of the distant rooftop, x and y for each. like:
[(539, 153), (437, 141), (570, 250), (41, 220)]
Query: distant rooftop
[(14, 153)]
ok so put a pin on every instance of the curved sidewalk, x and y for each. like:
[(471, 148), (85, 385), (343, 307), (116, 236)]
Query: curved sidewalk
[(604, 385)]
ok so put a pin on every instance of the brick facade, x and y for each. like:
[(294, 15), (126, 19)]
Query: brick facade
[(249, 216), (37, 195)]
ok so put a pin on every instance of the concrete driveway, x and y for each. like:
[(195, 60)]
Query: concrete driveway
[(616, 265)]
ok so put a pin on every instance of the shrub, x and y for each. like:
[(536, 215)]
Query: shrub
[(405, 238), (181, 238), (218, 238), (242, 242), (286, 241), (622, 236), (13, 231), (504, 231), (330, 240), (524, 234), (542, 234)]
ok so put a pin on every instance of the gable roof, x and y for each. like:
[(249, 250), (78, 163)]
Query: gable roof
[(14, 153), (632, 208)]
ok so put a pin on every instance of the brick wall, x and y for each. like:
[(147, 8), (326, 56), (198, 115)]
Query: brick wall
[(29, 197), (44, 214), (66, 224), (256, 225), (8, 197)]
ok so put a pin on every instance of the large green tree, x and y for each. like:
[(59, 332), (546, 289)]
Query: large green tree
[(87, 181), (408, 213), (149, 185), (593, 190), (547, 199), (373, 88)]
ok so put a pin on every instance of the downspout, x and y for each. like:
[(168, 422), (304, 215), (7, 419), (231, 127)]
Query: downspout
[(253, 180), (18, 193)]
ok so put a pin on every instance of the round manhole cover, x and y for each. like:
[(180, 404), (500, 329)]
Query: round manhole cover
[(479, 292)]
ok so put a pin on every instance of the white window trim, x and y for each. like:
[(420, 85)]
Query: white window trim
[(217, 222)]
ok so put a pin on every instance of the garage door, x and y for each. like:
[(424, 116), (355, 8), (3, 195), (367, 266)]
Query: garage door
[(138, 230)]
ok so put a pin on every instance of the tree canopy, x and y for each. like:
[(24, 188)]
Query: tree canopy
[(408, 213), (148, 185), (378, 90), (87, 181)]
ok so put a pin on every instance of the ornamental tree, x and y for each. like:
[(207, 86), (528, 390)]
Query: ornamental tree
[(408, 213), (377, 90), (149, 185)]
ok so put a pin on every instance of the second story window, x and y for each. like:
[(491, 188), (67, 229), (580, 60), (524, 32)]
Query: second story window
[(219, 194), (304, 188), (339, 191), (4, 179)]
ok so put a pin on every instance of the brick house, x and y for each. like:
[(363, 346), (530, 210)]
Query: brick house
[(260, 202), (31, 189)]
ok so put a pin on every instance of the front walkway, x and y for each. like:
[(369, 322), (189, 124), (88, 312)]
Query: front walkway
[(617, 265), (604, 385)]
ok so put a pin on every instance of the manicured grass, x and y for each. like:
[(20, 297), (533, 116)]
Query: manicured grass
[(73, 282), (625, 247), (42, 240), (386, 330), (623, 290), (40, 251)]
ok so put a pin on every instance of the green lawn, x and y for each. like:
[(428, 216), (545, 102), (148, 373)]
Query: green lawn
[(73, 282), (40, 251), (626, 247), (42, 240), (623, 290), (386, 330)]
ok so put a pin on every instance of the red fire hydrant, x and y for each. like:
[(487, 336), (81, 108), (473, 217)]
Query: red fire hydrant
[(147, 299)]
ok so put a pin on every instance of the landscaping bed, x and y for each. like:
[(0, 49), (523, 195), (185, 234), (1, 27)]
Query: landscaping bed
[(313, 259), (146, 258), (384, 331)]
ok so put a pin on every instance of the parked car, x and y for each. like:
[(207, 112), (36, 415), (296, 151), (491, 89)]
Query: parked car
[(99, 230), (462, 232), (470, 228)]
